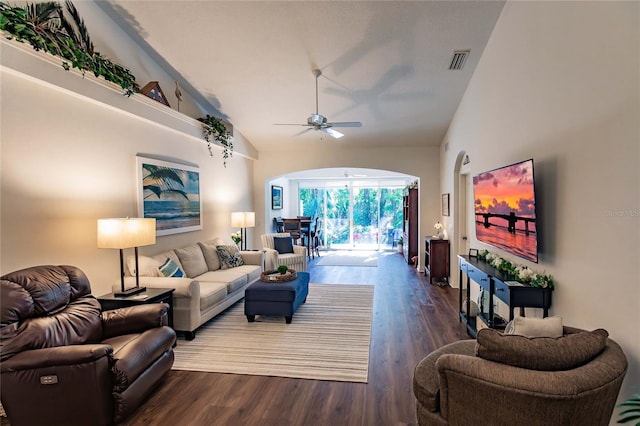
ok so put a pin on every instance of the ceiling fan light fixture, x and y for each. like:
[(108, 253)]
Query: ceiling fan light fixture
[(336, 134)]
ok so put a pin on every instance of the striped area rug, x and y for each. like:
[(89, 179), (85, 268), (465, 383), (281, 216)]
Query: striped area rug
[(328, 339)]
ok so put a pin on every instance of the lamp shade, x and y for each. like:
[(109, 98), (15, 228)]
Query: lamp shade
[(243, 219), (120, 233)]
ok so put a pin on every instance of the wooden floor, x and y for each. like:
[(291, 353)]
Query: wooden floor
[(411, 318)]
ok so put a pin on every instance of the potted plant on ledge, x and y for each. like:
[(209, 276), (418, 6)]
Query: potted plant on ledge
[(215, 131)]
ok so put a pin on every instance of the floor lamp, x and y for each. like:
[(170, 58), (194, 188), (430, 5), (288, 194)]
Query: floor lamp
[(243, 220), (122, 233)]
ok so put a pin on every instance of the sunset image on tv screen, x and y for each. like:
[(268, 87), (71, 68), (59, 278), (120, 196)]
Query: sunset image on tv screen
[(505, 209)]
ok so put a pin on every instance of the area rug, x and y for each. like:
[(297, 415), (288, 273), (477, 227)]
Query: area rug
[(328, 339), (352, 258)]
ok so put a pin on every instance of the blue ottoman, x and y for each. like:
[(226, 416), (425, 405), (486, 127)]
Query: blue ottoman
[(263, 298)]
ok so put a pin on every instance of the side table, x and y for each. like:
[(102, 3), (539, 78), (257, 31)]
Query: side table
[(150, 295)]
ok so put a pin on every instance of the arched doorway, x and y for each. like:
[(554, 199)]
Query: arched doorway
[(461, 204), (360, 209)]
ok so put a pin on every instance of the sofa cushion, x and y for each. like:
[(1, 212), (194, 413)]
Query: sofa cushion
[(192, 260), (148, 266), (229, 257), (234, 278), (210, 254), (283, 244), (211, 293), (169, 268), (541, 353)]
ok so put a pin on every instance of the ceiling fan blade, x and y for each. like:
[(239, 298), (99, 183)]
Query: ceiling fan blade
[(303, 131), (345, 124), (289, 124), (336, 134)]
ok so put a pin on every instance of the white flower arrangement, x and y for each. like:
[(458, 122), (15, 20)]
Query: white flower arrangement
[(521, 273), (237, 237)]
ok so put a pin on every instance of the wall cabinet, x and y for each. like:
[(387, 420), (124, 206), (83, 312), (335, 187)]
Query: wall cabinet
[(500, 286), (410, 224), (436, 259)]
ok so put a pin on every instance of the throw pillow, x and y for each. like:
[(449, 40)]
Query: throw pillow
[(148, 266), (210, 255), (541, 353), (229, 257), (283, 244), (537, 327), (170, 269), (192, 260)]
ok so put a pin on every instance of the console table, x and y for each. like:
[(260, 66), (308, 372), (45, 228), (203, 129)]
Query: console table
[(500, 285)]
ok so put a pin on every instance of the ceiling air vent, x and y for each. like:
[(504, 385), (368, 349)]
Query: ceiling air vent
[(458, 60)]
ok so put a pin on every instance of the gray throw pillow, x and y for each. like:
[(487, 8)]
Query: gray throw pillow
[(229, 257), (283, 244), (541, 353)]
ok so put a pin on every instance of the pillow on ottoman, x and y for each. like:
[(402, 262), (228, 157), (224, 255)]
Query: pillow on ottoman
[(541, 353)]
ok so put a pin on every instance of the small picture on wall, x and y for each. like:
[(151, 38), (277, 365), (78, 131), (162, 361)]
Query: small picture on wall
[(276, 197), (445, 204)]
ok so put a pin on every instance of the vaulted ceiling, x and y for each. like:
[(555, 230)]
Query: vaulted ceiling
[(383, 63)]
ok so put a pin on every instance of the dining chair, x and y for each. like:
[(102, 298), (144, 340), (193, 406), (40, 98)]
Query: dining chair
[(314, 236), (292, 226)]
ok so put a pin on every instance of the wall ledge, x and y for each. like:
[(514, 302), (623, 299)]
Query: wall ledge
[(41, 67)]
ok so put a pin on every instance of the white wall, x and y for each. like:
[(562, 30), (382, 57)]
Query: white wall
[(559, 82), (67, 160)]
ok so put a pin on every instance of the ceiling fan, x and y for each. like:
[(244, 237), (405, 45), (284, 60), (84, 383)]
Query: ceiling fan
[(319, 122)]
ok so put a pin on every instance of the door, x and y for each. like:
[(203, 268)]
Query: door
[(365, 231)]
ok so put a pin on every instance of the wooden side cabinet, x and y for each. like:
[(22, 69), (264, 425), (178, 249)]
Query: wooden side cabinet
[(436, 259)]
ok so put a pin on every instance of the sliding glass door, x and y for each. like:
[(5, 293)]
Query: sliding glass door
[(354, 215)]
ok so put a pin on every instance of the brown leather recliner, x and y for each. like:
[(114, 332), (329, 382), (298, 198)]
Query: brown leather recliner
[(64, 361)]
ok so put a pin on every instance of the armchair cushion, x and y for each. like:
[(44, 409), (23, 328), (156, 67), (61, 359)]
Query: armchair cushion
[(134, 319), (283, 244), (51, 357), (132, 353), (76, 324), (541, 353)]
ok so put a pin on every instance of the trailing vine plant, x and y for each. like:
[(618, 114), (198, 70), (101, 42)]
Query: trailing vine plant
[(45, 26), (214, 130)]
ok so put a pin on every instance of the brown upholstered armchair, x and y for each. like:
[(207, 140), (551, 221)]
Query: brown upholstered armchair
[(514, 380), (64, 361)]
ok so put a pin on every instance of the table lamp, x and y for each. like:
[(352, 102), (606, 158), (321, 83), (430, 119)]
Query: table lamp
[(243, 220), (122, 233)]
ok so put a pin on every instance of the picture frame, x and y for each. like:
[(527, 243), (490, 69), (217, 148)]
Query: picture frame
[(445, 204), (170, 193), (276, 197), (153, 91)]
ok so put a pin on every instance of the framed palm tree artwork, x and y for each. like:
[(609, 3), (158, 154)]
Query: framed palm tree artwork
[(170, 193)]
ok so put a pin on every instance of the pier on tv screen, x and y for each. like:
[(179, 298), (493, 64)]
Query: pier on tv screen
[(505, 209)]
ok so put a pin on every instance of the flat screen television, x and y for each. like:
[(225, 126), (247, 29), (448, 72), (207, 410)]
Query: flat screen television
[(505, 209)]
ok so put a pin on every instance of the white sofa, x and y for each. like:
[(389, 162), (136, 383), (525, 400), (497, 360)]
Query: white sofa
[(296, 260), (207, 287)]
